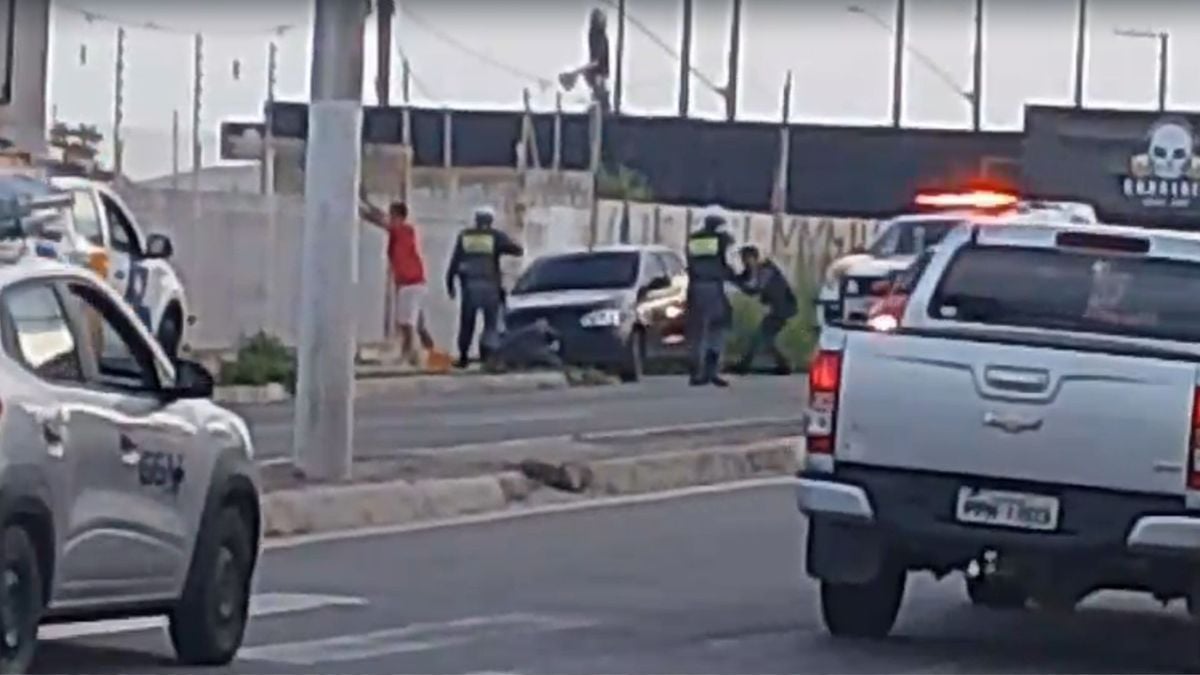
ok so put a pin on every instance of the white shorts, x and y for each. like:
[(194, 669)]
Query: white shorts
[(407, 308)]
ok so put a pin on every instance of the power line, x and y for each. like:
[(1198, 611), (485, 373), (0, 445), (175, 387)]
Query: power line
[(483, 57), (93, 17)]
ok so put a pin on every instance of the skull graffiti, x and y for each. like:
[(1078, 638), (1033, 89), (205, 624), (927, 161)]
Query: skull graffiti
[(1171, 151)]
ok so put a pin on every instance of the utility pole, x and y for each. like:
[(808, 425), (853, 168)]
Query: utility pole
[(977, 71), (779, 194), (323, 440), (384, 11), (175, 149), (617, 82), (898, 66), (197, 97), (406, 81), (267, 173), (1164, 46), (685, 61), (1080, 52), (119, 108), (735, 53)]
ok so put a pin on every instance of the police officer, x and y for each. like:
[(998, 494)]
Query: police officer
[(763, 279), (708, 310), (475, 264)]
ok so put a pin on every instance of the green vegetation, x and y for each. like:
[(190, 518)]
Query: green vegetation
[(261, 359), (624, 184)]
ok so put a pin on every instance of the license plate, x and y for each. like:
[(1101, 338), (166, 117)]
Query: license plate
[(1007, 509)]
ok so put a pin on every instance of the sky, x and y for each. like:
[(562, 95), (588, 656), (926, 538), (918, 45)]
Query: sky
[(840, 61)]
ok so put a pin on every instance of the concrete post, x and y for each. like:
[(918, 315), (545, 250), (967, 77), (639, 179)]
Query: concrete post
[(324, 419)]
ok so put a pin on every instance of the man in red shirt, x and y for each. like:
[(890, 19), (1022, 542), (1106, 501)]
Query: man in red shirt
[(408, 274)]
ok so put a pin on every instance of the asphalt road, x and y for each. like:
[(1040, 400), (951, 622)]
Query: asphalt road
[(709, 583), (403, 422)]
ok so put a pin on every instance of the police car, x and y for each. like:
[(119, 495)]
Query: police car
[(103, 234), (124, 490), (854, 283)]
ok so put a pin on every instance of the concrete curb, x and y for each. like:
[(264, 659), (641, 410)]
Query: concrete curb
[(332, 508), (407, 384)]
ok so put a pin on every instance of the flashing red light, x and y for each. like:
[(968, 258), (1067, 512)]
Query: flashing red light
[(980, 199)]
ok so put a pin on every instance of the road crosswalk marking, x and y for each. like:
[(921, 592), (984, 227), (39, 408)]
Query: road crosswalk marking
[(416, 637), (261, 605)]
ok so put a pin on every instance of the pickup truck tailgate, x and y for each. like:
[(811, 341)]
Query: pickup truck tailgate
[(1010, 411)]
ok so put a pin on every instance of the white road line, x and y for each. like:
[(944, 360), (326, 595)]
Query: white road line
[(684, 428), (416, 637), (261, 605), (518, 513)]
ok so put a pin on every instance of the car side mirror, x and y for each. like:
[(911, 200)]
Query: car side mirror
[(192, 381), (159, 246)]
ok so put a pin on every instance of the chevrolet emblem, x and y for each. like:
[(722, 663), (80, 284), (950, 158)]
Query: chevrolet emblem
[(1011, 424)]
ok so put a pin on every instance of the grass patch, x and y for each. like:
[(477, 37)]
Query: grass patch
[(262, 359), (797, 338)]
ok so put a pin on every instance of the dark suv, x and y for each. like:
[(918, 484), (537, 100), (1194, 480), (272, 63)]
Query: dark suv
[(613, 307)]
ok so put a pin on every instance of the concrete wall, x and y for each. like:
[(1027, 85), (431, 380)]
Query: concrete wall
[(23, 121), (239, 253)]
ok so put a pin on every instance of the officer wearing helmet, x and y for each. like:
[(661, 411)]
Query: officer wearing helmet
[(475, 265), (708, 311)]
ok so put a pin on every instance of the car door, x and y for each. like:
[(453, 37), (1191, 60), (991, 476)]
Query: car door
[(64, 429), (138, 485), (124, 247)]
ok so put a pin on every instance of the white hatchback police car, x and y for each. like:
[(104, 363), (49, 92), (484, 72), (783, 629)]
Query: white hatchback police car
[(124, 490)]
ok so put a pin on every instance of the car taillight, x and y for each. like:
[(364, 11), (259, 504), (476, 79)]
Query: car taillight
[(824, 381), (1193, 474)]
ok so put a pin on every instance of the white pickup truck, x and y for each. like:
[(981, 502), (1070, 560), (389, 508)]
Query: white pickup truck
[(1033, 423)]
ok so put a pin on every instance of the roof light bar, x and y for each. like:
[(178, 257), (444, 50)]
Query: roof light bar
[(974, 199)]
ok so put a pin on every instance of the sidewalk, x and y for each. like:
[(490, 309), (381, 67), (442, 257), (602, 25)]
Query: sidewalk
[(430, 484)]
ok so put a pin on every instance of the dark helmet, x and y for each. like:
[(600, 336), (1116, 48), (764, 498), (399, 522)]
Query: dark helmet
[(484, 216)]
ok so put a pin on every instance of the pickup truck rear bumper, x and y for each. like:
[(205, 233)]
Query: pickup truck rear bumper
[(858, 513)]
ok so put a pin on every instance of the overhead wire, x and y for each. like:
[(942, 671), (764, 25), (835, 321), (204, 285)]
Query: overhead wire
[(93, 16), (483, 57)]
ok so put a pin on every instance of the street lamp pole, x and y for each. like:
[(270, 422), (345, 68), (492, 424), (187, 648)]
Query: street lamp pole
[(1164, 47), (977, 70), (898, 67)]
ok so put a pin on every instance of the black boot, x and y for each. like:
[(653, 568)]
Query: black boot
[(696, 375), (712, 366), (462, 362)]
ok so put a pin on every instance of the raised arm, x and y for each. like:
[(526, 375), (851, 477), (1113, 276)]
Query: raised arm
[(506, 246)]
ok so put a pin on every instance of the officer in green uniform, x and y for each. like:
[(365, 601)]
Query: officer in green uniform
[(708, 311), (475, 265)]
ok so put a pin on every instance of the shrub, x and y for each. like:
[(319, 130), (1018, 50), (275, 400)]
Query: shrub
[(261, 359), (797, 338)]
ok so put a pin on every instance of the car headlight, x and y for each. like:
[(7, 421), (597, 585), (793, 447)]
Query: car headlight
[(602, 318)]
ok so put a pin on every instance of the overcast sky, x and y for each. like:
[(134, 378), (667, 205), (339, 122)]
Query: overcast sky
[(840, 60)]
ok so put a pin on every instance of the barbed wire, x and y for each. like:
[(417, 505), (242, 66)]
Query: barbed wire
[(93, 16)]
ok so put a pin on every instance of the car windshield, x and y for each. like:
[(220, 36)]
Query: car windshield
[(907, 236), (1091, 292), (579, 271)]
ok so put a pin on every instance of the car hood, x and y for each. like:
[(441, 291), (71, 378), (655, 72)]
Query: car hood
[(879, 266), (573, 298)]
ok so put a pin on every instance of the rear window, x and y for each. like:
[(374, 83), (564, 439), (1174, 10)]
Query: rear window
[(580, 271), (1071, 290)]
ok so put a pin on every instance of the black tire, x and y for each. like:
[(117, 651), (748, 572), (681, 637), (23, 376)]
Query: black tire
[(170, 333), (635, 356), (863, 610), (208, 624), (21, 600), (995, 593)]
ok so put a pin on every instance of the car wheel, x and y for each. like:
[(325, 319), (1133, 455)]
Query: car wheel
[(995, 593), (863, 610), (633, 362), (21, 601), (170, 333), (209, 622)]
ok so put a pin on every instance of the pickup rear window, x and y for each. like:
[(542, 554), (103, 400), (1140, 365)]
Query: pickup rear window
[(1071, 290)]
